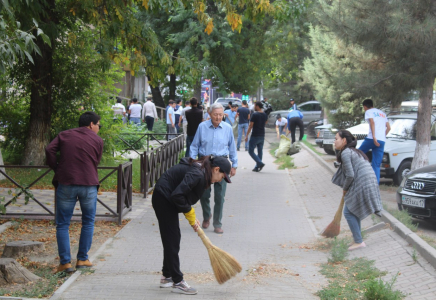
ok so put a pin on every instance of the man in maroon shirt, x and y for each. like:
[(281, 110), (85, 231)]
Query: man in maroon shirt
[(76, 178)]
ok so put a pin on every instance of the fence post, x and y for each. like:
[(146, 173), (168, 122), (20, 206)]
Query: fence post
[(119, 191)]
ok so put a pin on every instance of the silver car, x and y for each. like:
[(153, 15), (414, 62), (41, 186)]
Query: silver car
[(311, 111)]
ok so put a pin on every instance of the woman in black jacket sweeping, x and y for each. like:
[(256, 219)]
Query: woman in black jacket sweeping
[(175, 192)]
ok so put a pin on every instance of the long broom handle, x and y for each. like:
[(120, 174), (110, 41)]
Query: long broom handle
[(204, 238), (338, 214)]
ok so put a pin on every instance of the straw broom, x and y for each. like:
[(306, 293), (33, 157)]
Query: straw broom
[(334, 227), (224, 265)]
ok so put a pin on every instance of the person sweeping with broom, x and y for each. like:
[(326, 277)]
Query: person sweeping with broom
[(361, 193), (175, 192)]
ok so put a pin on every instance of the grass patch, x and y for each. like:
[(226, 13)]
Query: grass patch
[(314, 148), (285, 161), (402, 216), (339, 250), (356, 279)]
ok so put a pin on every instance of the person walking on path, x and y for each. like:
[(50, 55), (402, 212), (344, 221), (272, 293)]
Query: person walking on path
[(175, 192), (194, 117), (177, 112), (149, 113), (359, 183), (135, 112), (257, 139), (231, 114), (119, 110), (76, 179), (295, 118), (171, 121), (378, 129), (244, 116), (183, 118), (215, 137), (281, 125), (293, 105)]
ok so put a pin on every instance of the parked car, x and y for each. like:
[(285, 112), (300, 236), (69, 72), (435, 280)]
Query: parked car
[(225, 101), (417, 192), (320, 130), (400, 146), (311, 111), (328, 138)]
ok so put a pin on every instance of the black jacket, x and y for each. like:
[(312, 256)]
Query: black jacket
[(182, 185)]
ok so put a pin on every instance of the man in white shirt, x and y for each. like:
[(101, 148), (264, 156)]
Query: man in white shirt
[(135, 112), (378, 129), (183, 118), (281, 125), (119, 110), (171, 120), (149, 113)]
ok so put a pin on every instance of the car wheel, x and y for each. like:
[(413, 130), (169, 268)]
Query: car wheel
[(329, 149), (402, 171)]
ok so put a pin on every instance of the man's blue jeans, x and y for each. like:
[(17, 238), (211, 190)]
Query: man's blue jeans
[(189, 140), (242, 128), (256, 141), (66, 198), (377, 154), (136, 121), (354, 224)]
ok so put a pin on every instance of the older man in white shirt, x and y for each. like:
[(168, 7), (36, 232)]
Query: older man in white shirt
[(149, 113)]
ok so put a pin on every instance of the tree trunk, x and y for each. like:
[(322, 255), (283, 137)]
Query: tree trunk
[(12, 272), (423, 125), (197, 90), (395, 107), (157, 95), (18, 249), (41, 105), (173, 83)]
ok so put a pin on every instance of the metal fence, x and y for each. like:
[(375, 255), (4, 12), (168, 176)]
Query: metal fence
[(124, 193), (156, 161)]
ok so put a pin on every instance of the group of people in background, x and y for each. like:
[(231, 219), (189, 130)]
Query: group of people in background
[(135, 112)]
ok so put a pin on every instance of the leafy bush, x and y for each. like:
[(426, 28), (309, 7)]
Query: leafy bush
[(339, 250), (377, 289)]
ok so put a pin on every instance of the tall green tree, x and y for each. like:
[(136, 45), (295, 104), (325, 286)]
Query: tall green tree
[(401, 33)]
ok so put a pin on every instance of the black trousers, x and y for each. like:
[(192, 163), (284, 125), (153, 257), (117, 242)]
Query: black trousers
[(169, 227), (293, 123), (150, 121)]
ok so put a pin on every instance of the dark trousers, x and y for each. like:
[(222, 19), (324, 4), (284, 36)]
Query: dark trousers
[(150, 122), (256, 142), (189, 140), (219, 189), (293, 123), (169, 228)]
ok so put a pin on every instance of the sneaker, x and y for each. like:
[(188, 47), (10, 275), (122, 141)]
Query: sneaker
[(83, 264), (166, 282), (255, 169), (356, 246), (237, 149), (183, 288)]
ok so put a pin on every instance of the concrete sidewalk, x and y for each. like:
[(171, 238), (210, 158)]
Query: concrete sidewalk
[(270, 223)]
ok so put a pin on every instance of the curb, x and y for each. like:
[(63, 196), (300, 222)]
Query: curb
[(426, 251), (58, 293)]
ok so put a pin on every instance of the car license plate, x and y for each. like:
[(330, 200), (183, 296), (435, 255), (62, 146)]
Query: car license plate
[(329, 142), (413, 201)]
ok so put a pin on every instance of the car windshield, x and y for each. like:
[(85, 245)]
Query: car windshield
[(403, 128)]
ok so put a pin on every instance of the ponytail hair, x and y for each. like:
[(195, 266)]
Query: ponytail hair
[(351, 144), (206, 166)]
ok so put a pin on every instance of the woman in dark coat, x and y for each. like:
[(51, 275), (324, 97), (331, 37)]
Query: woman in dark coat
[(176, 191), (359, 184)]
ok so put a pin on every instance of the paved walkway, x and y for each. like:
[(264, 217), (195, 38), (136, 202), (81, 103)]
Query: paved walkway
[(271, 220)]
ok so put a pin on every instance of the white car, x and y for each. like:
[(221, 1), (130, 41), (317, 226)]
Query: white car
[(400, 146)]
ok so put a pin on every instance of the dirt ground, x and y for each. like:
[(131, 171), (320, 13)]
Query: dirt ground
[(45, 264)]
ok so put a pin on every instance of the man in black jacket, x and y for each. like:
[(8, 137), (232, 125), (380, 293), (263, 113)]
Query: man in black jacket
[(194, 117)]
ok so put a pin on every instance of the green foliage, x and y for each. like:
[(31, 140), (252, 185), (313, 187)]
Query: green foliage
[(350, 279), (284, 162), (377, 289), (404, 217), (339, 250)]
